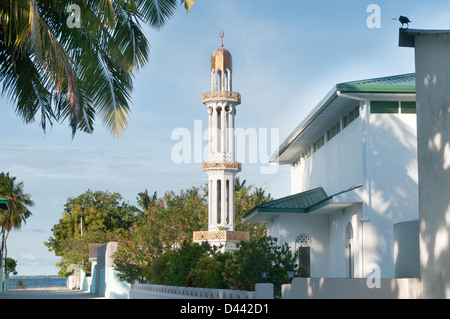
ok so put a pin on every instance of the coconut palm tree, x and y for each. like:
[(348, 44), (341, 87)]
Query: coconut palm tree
[(144, 200), (18, 211), (60, 61), (238, 185)]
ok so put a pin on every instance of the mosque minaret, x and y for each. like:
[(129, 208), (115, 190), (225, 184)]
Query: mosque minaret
[(221, 167)]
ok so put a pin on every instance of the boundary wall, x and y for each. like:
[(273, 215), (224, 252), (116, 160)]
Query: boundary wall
[(352, 288)]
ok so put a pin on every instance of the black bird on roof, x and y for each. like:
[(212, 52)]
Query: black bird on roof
[(404, 20)]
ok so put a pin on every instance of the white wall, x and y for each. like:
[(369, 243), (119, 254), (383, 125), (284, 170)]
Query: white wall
[(433, 115), (393, 179), (342, 288), (378, 151), (326, 167), (288, 226)]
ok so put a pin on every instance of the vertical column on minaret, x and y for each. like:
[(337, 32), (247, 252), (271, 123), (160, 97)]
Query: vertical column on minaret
[(230, 133), (232, 202), (213, 134), (223, 132)]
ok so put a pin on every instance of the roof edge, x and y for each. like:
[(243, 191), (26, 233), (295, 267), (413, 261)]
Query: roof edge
[(313, 114), (344, 87), (407, 36)]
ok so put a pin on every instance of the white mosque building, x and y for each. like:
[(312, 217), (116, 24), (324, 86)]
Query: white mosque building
[(354, 182)]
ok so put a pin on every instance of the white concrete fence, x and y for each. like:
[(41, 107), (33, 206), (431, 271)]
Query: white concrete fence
[(146, 291)]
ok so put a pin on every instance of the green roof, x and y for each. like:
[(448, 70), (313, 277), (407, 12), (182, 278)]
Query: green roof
[(4, 203), (405, 83), (300, 203)]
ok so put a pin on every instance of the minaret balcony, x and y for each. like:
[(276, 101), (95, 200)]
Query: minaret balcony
[(222, 95), (222, 165), (221, 235)]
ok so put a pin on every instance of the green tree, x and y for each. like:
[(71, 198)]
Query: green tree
[(60, 69), (243, 270), (144, 200), (245, 199), (184, 260), (167, 224), (159, 268), (238, 185), (18, 212), (11, 265), (170, 222), (92, 217), (208, 271)]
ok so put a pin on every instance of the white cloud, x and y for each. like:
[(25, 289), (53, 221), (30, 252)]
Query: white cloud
[(28, 257)]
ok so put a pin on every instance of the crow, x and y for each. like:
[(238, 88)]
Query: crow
[(404, 20)]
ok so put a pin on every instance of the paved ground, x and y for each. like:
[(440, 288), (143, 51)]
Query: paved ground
[(47, 293)]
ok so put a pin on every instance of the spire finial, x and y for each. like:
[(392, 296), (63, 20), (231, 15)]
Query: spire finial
[(221, 39)]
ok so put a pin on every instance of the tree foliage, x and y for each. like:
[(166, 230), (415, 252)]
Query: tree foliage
[(56, 71), (18, 201), (198, 265), (11, 265), (16, 215), (243, 269), (169, 223), (246, 198), (92, 217)]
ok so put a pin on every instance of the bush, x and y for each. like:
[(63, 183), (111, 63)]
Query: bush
[(175, 266), (202, 266), (159, 269), (243, 270), (208, 272)]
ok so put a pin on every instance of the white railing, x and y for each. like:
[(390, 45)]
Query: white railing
[(146, 291)]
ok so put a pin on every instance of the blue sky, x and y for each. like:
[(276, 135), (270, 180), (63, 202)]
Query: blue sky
[(286, 56)]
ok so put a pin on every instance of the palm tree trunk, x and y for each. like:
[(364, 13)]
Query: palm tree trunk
[(3, 261)]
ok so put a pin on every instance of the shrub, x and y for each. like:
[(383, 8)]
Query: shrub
[(208, 272), (159, 269), (185, 258), (243, 270)]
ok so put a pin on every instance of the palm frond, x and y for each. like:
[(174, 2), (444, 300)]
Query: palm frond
[(157, 12), (47, 68)]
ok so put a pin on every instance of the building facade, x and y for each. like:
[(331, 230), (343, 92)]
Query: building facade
[(353, 177)]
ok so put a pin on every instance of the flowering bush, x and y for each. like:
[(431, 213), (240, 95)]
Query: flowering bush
[(169, 223)]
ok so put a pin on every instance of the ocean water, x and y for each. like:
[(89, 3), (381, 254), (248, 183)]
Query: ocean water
[(37, 282)]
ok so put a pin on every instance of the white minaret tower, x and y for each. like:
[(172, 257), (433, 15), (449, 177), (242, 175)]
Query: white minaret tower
[(221, 166)]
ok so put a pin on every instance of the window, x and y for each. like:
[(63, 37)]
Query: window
[(349, 251), (304, 258), (219, 201), (388, 107), (350, 116), (408, 107), (319, 143), (228, 199), (332, 132)]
